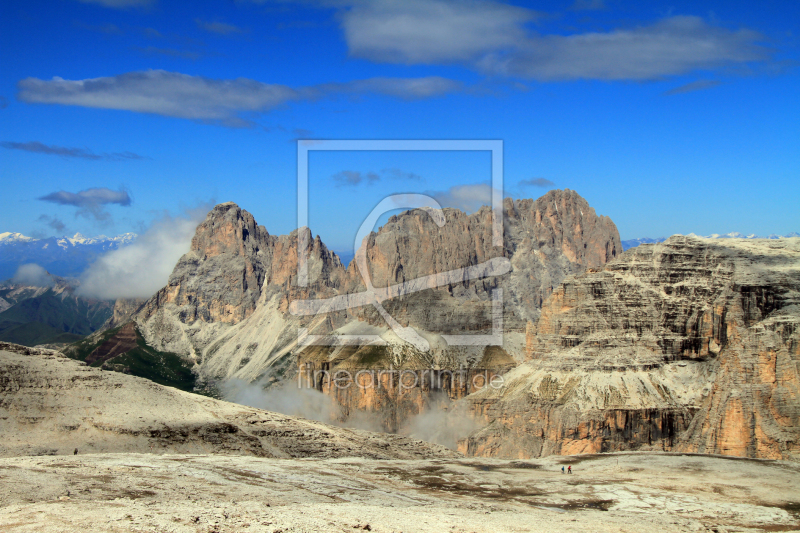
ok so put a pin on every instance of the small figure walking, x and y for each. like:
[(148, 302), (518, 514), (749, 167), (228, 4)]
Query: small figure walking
[(569, 470), (562, 469), (75, 452)]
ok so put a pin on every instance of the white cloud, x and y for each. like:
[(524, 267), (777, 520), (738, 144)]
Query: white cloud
[(673, 46), (33, 275), (163, 93), (494, 39), (141, 268), (219, 101), (431, 31)]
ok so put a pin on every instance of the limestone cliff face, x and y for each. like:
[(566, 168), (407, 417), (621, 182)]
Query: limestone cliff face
[(690, 345), (234, 267), (226, 303), (545, 239)]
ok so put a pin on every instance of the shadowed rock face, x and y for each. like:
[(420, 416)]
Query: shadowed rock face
[(226, 303), (691, 345)]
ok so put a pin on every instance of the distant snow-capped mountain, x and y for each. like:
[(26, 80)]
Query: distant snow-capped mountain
[(632, 243), (61, 256)]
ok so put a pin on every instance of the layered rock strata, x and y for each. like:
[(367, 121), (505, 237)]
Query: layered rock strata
[(690, 345)]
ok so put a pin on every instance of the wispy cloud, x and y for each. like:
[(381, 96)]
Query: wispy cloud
[(404, 88), (673, 46), (169, 52), (588, 5), (219, 28), (398, 174), (120, 4), (108, 29), (536, 182), (64, 151), (353, 177), (90, 202), (54, 222), (3, 102), (698, 85), (210, 100)]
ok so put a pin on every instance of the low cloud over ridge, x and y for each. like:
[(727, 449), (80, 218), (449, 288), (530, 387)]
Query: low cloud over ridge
[(143, 267)]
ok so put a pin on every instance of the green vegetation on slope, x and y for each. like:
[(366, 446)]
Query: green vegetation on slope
[(164, 368)]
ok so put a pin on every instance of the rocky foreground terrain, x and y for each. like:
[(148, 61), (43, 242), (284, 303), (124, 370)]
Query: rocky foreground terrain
[(226, 494), (52, 405), (692, 344)]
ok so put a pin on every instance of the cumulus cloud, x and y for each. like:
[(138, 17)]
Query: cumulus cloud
[(210, 100), (353, 177), (219, 28), (91, 201), (536, 182), (64, 151), (698, 85), (33, 275), (143, 267)]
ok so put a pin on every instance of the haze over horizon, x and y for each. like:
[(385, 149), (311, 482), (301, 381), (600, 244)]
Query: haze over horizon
[(667, 117)]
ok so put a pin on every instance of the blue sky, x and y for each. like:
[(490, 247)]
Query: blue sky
[(670, 117)]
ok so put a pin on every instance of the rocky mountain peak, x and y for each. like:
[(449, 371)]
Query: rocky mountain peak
[(235, 270), (228, 229)]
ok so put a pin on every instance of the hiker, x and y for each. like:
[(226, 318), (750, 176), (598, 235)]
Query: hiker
[(569, 470), (562, 469)]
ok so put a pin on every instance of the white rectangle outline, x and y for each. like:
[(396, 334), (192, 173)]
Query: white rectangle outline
[(304, 146)]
